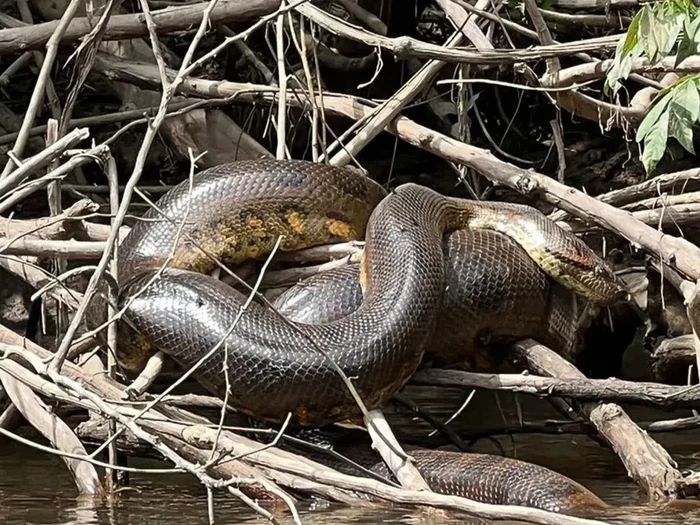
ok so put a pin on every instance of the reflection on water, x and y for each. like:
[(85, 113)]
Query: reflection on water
[(36, 489)]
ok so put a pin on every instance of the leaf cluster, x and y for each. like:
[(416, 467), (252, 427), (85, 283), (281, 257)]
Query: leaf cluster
[(655, 33)]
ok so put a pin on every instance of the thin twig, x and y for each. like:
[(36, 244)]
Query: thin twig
[(41, 159), (112, 332), (282, 82)]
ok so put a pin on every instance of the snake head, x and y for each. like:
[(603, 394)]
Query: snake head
[(609, 287), (593, 279), (575, 265)]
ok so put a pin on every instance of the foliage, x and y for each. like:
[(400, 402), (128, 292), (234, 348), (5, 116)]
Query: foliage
[(654, 33), (676, 111)]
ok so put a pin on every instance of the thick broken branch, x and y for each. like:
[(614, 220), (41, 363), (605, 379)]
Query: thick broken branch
[(646, 461), (122, 27), (407, 47), (674, 251)]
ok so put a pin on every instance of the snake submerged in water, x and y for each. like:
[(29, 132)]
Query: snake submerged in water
[(429, 261)]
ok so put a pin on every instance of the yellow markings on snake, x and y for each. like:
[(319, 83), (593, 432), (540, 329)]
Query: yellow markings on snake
[(296, 222), (134, 351), (363, 273), (256, 227), (341, 229), (254, 251)]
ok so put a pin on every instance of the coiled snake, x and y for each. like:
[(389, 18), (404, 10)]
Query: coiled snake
[(237, 211)]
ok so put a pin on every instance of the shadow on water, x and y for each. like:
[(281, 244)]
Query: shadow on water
[(36, 489)]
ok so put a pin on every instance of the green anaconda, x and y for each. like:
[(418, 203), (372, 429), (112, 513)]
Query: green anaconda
[(276, 366)]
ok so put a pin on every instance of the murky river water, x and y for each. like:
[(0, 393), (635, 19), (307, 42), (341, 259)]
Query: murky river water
[(35, 488)]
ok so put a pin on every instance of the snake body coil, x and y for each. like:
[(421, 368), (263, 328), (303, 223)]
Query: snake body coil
[(274, 366), (495, 295)]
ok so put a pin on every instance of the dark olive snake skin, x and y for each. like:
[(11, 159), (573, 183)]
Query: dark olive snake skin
[(275, 367), (495, 295), (480, 477), (502, 481)]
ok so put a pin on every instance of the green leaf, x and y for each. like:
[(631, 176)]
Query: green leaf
[(655, 143), (682, 131), (692, 29), (674, 32), (658, 30), (632, 37), (621, 70), (686, 102), (665, 27), (686, 48), (684, 110), (652, 117), (646, 27), (660, 37)]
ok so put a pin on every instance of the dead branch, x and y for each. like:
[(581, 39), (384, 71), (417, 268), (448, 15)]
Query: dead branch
[(97, 154), (69, 249), (39, 278), (202, 437), (385, 113), (123, 27), (582, 73), (675, 354), (403, 468), (55, 430), (677, 252), (221, 459), (298, 473), (466, 24), (40, 86), (66, 225), (589, 20), (651, 187), (40, 160), (210, 131), (575, 5), (136, 116), (407, 47), (671, 216), (616, 390), (646, 461)]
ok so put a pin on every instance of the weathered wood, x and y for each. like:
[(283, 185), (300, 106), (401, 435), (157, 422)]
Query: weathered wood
[(581, 388), (674, 359), (122, 27), (69, 249), (298, 473), (56, 431), (407, 47), (675, 251), (646, 461)]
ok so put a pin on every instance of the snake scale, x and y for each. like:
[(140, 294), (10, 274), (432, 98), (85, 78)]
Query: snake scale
[(277, 366)]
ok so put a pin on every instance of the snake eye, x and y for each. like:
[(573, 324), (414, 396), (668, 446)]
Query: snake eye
[(600, 270)]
